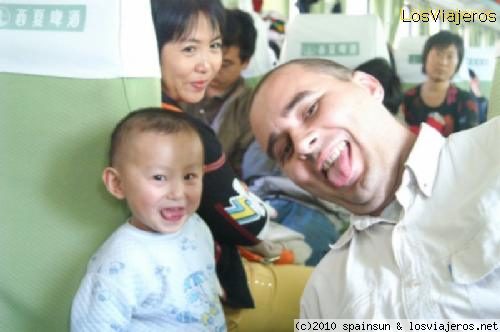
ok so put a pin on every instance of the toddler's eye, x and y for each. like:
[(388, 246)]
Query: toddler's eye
[(190, 176), (159, 177)]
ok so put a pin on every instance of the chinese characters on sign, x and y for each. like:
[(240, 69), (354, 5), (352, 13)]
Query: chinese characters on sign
[(330, 49), (42, 17)]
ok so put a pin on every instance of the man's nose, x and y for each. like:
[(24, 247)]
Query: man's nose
[(307, 145)]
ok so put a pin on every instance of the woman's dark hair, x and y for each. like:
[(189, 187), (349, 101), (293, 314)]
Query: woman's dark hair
[(386, 74), (175, 19), (440, 40)]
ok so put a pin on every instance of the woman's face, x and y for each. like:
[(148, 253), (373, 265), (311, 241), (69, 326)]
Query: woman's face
[(441, 63), (189, 64)]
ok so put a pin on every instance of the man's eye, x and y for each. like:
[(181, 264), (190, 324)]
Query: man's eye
[(311, 110), (285, 153), (159, 177), (287, 150)]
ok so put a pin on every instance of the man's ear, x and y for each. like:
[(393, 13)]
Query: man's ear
[(112, 181), (370, 83)]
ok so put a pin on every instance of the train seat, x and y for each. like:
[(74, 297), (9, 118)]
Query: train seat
[(68, 72), (324, 36)]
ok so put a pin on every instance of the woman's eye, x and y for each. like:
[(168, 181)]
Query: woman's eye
[(216, 45), (189, 49), (159, 177)]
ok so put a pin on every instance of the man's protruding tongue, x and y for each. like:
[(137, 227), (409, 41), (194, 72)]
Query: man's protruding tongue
[(340, 172)]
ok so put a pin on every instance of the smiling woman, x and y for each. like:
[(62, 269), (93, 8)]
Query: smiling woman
[(189, 43)]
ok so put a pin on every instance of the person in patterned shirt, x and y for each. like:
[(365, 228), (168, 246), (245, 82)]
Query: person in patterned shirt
[(438, 102)]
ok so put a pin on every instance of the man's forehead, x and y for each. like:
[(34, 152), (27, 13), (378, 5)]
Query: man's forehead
[(285, 80)]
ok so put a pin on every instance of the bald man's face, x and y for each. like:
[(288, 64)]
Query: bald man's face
[(327, 134)]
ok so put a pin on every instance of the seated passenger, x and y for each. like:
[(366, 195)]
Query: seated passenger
[(226, 102), (438, 102), (158, 265)]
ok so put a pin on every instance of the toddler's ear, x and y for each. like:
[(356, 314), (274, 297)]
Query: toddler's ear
[(112, 181)]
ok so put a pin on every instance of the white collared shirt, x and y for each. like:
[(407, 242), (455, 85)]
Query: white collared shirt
[(435, 250)]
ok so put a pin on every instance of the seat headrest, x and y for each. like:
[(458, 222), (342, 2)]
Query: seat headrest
[(324, 36), (260, 63), (408, 58), (78, 38), (481, 60)]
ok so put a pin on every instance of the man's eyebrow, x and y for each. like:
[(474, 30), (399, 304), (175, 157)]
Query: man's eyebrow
[(293, 103)]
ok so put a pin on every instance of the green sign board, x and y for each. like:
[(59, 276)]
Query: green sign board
[(42, 17), (477, 62), (330, 49), (415, 59)]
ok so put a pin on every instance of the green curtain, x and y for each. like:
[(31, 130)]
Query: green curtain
[(325, 6), (475, 36), (230, 3), (280, 6), (389, 12), (318, 7), (491, 39), (423, 29), (455, 28)]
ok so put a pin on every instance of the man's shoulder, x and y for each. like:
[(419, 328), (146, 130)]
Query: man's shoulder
[(242, 92), (484, 137), (473, 153), (238, 104)]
